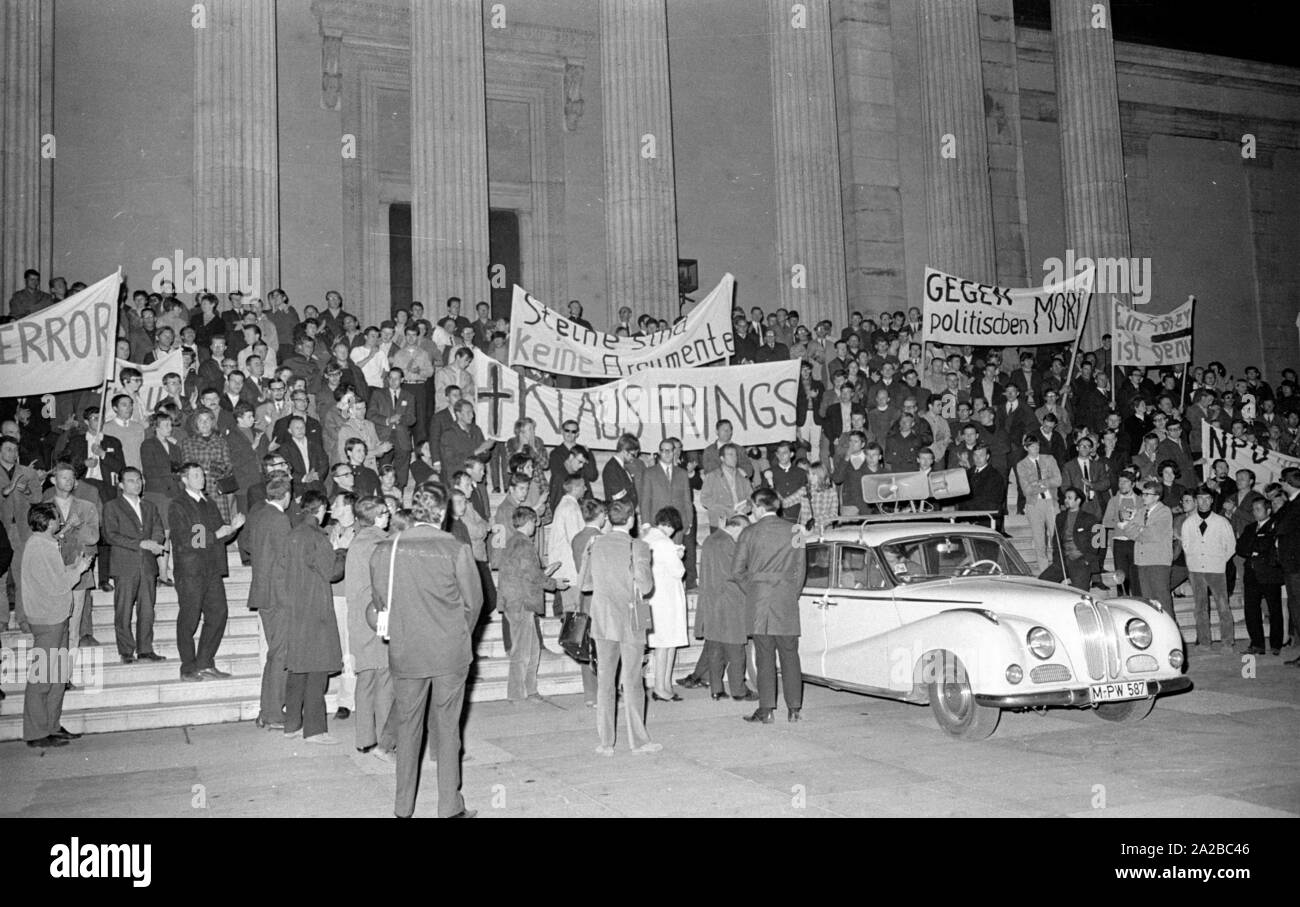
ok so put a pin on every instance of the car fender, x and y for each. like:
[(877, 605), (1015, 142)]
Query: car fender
[(984, 645)]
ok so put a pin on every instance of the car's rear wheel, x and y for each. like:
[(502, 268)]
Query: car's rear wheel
[(1130, 711), (953, 701)]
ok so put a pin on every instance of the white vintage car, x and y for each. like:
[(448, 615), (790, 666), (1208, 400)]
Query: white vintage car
[(935, 609)]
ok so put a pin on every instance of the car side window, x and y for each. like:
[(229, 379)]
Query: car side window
[(818, 572), (859, 569)]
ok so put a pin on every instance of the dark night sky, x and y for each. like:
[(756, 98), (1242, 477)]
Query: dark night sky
[(1248, 29)]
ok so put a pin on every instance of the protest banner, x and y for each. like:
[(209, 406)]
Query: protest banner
[(151, 392), (653, 404), (1142, 339), (1219, 445), (66, 346), (961, 311), (543, 339)]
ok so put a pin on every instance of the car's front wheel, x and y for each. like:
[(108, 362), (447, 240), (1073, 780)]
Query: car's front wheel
[(1130, 711), (953, 702)]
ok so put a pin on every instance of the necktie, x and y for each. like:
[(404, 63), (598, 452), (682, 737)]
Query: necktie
[(1085, 471), (668, 471), (394, 399), (1039, 470), (1204, 524)]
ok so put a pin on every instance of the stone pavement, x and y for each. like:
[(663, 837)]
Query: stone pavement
[(1225, 749)]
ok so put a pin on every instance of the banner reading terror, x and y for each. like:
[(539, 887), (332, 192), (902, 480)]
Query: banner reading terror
[(962, 311), (543, 339), (67, 346), (1142, 339), (758, 400), (1267, 465)]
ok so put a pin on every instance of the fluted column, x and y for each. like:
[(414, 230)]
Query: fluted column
[(640, 196), (449, 184), (809, 218), (25, 109), (959, 204), (236, 137), (1092, 151)]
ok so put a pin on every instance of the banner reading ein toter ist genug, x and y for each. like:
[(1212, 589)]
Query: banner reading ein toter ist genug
[(543, 339), (67, 346), (962, 311), (758, 400)]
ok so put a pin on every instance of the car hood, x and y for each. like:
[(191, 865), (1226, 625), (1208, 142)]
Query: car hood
[(1011, 595)]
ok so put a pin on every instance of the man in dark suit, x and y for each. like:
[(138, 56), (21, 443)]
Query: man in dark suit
[(247, 447), (617, 477), (560, 452), (306, 458), (1074, 557), (988, 487), (1090, 475), (393, 412), (665, 485), (838, 417), (1286, 529), (443, 421), (433, 607), (769, 350), (300, 402), (134, 530), (268, 533), (770, 570), (1028, 382), (199, 555), (462, 441)]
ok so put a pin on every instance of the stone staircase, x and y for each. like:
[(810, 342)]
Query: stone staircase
[(111, 696)]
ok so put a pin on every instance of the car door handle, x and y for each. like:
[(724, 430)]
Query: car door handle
[(827, 603)]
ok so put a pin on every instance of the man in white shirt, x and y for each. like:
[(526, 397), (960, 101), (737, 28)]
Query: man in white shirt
[(126, 429), (372, 359), (1208, 545)]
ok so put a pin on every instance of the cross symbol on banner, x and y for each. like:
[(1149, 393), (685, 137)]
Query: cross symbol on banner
[(495, 396)]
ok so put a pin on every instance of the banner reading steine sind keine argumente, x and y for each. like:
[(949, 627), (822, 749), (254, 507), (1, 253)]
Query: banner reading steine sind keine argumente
[(959, 311), (543, 339), (685, 403), (66, 346)]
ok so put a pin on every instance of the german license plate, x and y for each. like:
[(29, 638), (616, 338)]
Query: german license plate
[(1115, 692)]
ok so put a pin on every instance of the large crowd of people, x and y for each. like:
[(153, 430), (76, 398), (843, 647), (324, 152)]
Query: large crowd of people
[(344, 464)]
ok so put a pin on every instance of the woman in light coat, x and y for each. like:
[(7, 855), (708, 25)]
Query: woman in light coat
[(668, 602)]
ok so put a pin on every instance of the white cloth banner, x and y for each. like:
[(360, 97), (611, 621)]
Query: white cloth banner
[(1266, 464), (1142, 339), (543, 339), (961, 311), (67, 346), (759, 401), (151, 392)]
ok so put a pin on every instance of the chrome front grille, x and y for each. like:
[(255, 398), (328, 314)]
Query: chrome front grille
[(1094, 648), (1139, 663), (1049, 674), (1112, 639)]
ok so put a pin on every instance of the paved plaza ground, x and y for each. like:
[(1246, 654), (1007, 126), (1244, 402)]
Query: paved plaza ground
[(1225, 749)]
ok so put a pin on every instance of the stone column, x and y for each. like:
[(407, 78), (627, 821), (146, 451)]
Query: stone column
[(449, 183), (809, 210), (1092, 154), (236, 138), (25, 117), (640, 195), (959, 205)]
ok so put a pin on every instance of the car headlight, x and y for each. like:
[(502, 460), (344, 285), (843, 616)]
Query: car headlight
[(1015, 674), (1175, 658), (1041, 642), (1139, 633)]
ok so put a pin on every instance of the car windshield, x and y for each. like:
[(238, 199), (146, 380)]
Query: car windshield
[(942, 556)]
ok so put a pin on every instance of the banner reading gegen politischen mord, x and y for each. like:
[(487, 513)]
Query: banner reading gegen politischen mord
[(67, 346), (758, 400), (1142, 339), (959, 311), (543, 339), (1219, 445)]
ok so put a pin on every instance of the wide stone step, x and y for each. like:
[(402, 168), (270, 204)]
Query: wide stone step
[(236, 590), (109, 671)]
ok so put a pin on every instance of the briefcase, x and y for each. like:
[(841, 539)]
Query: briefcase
[(575, 636)]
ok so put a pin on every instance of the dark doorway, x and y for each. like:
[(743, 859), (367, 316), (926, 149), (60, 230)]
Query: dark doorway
[(503, 271), (503, 249), (400, 281)]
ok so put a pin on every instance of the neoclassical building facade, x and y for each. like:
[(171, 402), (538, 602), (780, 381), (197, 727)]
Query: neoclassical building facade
[(825, 152)]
